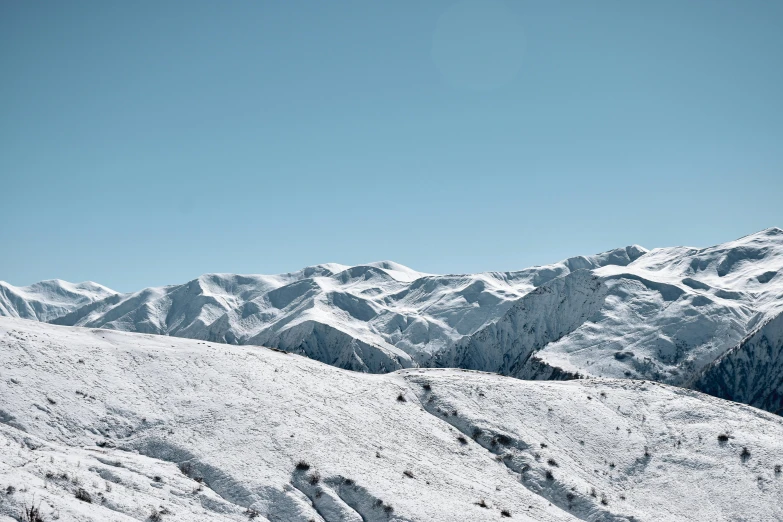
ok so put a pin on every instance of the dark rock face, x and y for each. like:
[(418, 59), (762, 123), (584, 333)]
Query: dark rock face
[(752, 371)]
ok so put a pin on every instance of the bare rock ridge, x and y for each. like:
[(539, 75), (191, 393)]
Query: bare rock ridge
[(752, 371), (666, 315)]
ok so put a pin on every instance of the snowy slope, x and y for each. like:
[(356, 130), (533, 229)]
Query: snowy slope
[(134, 419), (752, 371), (48, 300)]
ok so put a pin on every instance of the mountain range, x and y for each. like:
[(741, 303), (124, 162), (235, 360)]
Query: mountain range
[(703, 318)]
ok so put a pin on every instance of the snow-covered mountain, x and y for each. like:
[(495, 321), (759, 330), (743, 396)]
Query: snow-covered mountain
[(665, 314), (377, 317), (48, 300), (99, 425)]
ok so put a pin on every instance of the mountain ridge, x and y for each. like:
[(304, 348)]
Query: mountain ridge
[(664, 314)]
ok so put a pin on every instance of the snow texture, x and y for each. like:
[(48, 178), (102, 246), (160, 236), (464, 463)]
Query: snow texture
[(151, 427)]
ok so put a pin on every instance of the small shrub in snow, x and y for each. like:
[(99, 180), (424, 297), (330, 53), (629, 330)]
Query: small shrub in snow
[(777, 469), (155, 516), (157, 478), (549, 475), (552, 462), (82, 495), (407, 473), (745, 455), (314, 478), (543, 445), (348, 482), (462, 439), (504, 439), (302, 466), (32, 514), (723, 437), (252, 513), (604, 500), (427, 387), (401, 398), (505, 513), (388, 509), (482, 503)]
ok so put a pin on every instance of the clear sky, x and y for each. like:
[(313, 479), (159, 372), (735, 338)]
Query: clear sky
[(145, 143)]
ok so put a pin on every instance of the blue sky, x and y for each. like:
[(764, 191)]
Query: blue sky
[(144, 143)]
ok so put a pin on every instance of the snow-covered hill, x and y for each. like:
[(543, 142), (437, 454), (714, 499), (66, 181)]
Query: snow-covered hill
[(664, 315), (158, 428), (48, 300)]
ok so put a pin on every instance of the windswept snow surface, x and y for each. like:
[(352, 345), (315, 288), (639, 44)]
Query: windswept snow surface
[(48, 300), (135, 421)]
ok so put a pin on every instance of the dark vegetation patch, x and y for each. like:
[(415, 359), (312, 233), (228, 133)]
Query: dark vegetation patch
[(32, 513), (745, 454), (83, 495)]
